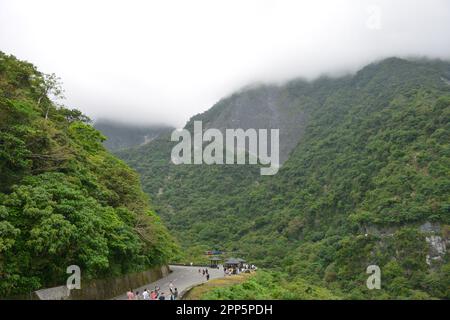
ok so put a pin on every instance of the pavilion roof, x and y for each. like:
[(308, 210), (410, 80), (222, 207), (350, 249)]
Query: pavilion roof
[(215, 259), (232, 261)]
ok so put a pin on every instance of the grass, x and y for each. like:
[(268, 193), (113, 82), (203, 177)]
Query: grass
[(197, 292)]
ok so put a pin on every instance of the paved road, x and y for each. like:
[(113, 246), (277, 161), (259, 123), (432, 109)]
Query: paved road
[(182, 278)]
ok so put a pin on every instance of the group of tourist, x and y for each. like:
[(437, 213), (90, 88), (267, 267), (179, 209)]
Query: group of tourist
[(236, 270), (249, 266), (205, 273), (156, 294)]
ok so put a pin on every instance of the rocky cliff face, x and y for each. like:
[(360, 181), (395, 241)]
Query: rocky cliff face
[(438, 241), (261, 107)]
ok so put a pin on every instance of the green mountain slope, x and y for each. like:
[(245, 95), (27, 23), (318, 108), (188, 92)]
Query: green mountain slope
[(367, 182), (64, 199), (370, 173), (200, 203)]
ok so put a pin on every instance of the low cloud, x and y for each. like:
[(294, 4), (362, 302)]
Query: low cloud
[(164, 61)]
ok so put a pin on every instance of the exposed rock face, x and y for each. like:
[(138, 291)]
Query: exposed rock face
[(380, 231), (430, 227), (437, 247), (438, 244)]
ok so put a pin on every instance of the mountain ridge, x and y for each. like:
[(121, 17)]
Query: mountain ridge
[(373, 154)]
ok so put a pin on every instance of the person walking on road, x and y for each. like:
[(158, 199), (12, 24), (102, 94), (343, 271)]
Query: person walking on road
[(130, 295)]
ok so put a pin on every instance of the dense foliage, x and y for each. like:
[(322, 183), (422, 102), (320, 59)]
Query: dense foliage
[(270, 285), (372, 166), (201, 201), (64, 199)]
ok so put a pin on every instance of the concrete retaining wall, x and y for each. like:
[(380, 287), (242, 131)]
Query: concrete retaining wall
[(104, 288)]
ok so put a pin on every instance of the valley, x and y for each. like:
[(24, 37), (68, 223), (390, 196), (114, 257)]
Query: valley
[(298, 150), (366, 164), (364, 182)]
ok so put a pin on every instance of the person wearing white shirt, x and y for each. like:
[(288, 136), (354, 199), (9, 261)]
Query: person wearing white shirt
[(146, 295)]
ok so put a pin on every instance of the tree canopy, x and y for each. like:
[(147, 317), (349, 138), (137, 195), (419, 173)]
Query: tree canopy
[(63, 198)]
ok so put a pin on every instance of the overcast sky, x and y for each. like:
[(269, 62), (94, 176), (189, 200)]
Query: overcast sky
[(164, 61)]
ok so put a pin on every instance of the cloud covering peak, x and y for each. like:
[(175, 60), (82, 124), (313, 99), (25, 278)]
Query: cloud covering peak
[(163, 61)]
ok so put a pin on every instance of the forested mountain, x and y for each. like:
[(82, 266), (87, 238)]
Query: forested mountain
[(64, 199), (366, 181), (121, 136)]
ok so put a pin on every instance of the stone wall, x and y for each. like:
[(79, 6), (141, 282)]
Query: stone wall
[(103, 288)]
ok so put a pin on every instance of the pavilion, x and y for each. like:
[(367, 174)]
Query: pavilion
[(214, 262), (233, 263)]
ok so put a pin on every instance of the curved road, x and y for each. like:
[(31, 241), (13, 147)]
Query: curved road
[(182, 278)]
